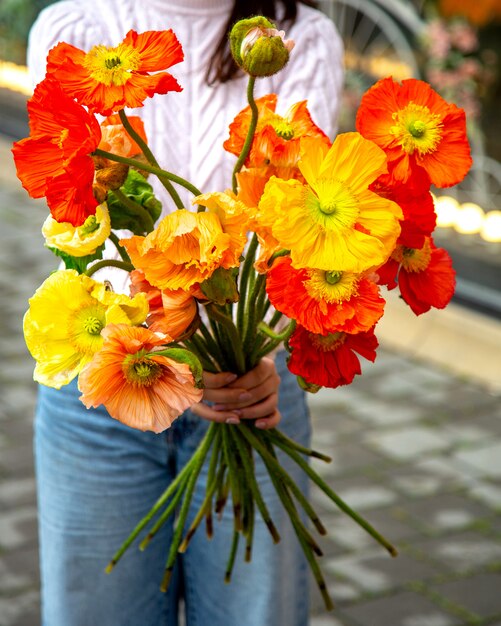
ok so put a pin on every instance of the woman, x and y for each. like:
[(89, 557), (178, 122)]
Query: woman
[(97, 477)]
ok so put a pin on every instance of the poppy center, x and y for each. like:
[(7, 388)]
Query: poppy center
[(89, 226), (417, 128), (331, 287), (112, 66), (413, 259), (141, 371), (283, 129), (329, 342), (93, 325)]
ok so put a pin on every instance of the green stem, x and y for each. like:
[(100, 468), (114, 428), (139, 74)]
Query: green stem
[(229, 326), (128, 267), (244, 283), (250, 132), (169, 510), (275, 435), (250, 331), (136, 209), (230, 461), (197, 460), (121, 250), (336, 499), (146, 519), (211, 343), (212, 482), (246, 457), (231, 559), (151, 158), (279, 471), (302, 534), (139, 165)]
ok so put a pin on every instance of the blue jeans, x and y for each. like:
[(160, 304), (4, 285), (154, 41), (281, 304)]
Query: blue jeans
[(97, 478)]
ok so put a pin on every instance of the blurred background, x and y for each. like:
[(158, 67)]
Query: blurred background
[(416, 440)]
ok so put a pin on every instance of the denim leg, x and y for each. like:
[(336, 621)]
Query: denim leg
[(273, 589), (96, 479)]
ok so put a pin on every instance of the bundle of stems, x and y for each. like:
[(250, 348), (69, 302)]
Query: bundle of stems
[(234, 339)]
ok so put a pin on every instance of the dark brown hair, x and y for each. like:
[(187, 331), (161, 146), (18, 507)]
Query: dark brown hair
[(222, 67)]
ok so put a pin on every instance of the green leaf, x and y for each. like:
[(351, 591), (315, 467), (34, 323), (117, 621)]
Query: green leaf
[(137, 189), (181, 355), (78, 263)]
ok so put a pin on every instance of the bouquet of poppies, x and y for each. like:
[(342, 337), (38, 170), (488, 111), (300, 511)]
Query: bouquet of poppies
[(294, 255)]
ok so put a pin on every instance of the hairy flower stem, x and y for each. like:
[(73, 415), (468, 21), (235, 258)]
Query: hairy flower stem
[(275, 435), (244, 283), (197, 460), (301, 534), (212, 482), (168, 511), (139, 165), (150, 157), (151, 513), (278, 470), (250, 133), (128, 267), (337, 500), (120, 249), (231, 559), (245, 453), (236, 491), (235, 341)]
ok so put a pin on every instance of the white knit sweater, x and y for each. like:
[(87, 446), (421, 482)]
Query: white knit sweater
[(186, 130)]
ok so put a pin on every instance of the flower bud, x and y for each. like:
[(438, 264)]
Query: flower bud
[(258, 47)]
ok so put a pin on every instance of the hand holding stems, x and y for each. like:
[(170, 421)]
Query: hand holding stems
[(251, 396)]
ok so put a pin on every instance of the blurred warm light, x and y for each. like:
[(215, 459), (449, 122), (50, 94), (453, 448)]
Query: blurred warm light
[(469, 219), (447, 209), (491, 228), (15, 77)]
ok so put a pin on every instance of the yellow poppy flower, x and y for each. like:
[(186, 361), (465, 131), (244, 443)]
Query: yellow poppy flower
[(62, 327), (78, 240), (334, 221)]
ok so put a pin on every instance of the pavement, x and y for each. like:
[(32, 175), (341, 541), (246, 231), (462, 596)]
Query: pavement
[(416, 449)]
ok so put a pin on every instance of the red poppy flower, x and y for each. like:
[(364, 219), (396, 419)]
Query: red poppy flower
[(419, 217), (108, 79), (424, 276), (417, 129), (324, 302), (54, 161), (329, 361)]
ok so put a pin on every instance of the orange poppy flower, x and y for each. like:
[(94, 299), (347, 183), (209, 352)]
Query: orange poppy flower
[(170, 311), (114, 137), (324, 302), (424, 276), (142, 389), (186, 248), (478, 12), (419, 131), (108, 79), (329, 361), (54, 161), (277, 138)]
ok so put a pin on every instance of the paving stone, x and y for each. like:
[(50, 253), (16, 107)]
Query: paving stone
[(408, 443), (325, 620), (446, 512), (349, 458), (463, 551), (380, 413), (347, 534), (487, 493), (485, 459), (18, 527), (403, 609), (479, 594), (20, 611), (377, 574)]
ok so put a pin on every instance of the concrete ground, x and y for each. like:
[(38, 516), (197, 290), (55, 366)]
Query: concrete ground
[(415, 448)]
